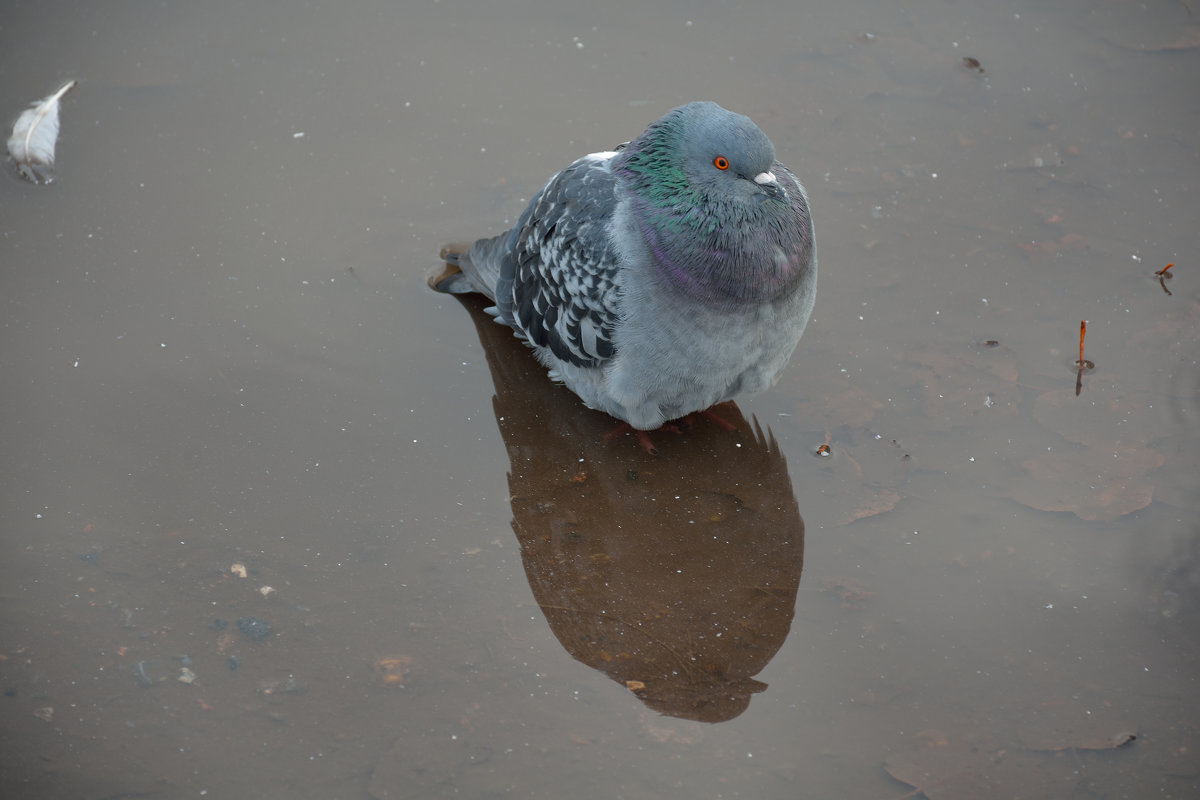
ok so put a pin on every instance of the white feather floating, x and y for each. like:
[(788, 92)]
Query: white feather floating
[(34, 136)]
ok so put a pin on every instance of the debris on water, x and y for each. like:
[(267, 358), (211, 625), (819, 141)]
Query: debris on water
[(186, 676), (45, 713), (225, 641), (141, 676), (234, 663), (238, 569), (287, 686), (1121, 738), (266, 591), (392, 671), (254, 627), (1057, 739)]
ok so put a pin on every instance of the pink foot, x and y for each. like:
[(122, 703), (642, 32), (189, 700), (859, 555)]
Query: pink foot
[(681, 425), (723, 424), (643, 437)]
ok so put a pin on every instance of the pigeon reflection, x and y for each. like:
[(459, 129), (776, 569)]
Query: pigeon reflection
[(675, 575)]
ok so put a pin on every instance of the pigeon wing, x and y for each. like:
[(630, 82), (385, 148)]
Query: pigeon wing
[(558, 286)]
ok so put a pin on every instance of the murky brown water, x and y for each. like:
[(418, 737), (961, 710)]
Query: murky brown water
[(218, 349)]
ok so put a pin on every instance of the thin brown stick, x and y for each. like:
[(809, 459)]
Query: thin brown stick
[(1081, 364)]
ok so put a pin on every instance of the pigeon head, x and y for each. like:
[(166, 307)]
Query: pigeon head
[(725, 222), (724, 152)]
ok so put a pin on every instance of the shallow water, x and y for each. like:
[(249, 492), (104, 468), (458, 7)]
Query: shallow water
[(218, 349)]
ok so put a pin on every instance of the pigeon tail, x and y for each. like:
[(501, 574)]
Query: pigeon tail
[(475, 271)]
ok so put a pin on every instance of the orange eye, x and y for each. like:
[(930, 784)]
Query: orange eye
[(721, 162)]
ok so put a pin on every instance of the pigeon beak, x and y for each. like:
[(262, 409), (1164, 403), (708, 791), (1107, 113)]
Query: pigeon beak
[(769, 184)]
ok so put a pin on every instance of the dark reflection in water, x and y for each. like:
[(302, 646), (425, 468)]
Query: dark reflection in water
[(675, 575)]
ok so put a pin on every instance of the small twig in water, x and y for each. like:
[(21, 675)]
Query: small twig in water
[(1163, 276), (1082, 363)]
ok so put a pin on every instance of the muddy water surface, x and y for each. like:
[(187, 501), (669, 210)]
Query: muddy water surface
[(230, 402)]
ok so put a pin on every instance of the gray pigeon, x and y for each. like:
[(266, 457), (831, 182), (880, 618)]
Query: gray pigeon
[(661, 278)]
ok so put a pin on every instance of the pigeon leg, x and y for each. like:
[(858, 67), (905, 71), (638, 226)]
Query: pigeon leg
[(643, 437), (721, 423), (678, 426)]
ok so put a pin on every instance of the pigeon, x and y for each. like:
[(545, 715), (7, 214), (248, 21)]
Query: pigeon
[(660, 278)]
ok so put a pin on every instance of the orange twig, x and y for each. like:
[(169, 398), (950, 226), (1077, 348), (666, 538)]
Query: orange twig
[(1163, 271), (1081, 364)]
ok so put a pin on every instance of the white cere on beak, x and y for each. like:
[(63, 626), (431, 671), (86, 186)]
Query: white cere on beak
[(764, 178)]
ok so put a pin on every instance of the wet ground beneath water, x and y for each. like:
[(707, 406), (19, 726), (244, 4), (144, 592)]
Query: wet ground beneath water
[(278, 521)]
